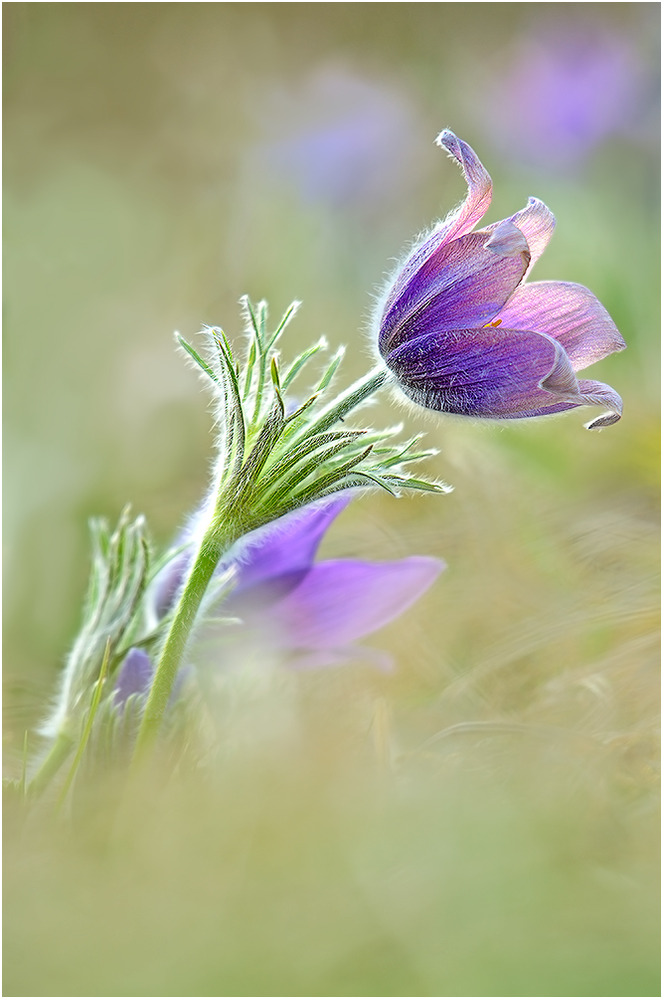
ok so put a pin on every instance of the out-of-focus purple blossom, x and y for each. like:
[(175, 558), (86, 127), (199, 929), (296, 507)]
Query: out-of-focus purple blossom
[(461, 332), (316, 612), (133, 677), (564, 89), (341, 140), (307, 614)]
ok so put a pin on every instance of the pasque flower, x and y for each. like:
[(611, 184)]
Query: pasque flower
[(311, 614), (315, 612), (463, 334)]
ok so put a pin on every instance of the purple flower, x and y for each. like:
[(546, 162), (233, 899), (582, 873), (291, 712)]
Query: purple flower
[(308, 614), (133, 677), (462, 333), (337, 139), (567, 87), (315, 612)]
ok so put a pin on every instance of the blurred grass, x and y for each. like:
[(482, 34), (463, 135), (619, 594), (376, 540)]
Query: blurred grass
[(482, 821), (297, 875)]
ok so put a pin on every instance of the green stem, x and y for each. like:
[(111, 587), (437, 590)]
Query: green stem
[(57, 755), (348, 400), (226, 526), (85, 736), (201, 573)]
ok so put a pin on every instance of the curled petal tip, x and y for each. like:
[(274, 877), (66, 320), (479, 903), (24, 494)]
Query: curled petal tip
[(538, 204), (599, 394), (604, 420), (446, 139), (507, 239)]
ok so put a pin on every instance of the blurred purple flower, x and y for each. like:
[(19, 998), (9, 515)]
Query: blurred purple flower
[(564, 90), (310, 613), (340, 140), (315, 612), (463, 335), (133, 677)]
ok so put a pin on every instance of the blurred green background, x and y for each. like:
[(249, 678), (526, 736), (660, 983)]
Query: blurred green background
[(160, 161)]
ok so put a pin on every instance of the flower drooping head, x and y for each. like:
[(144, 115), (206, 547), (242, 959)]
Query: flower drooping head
[(461, 332)]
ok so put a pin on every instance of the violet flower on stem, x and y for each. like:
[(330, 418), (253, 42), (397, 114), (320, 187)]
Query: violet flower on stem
[(272, 459), (463, 334), (459, 332), (316, 611), (309, 614)]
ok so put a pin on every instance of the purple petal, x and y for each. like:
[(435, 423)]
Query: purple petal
[(588, 394), (568, 312), (340, 601), (284, 547), (462, 285), (497, 373), (478, 199), (458, 223), (562, 382), (537, 223), (490, 372), (600, 394), (168, 582), (134, 676)]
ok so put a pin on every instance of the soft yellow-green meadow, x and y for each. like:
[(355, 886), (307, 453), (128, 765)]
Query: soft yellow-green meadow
[(483, 818)]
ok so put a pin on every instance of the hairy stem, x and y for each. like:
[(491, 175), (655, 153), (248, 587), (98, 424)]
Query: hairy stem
[(232, 518), (182, 624), (60, 750)]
